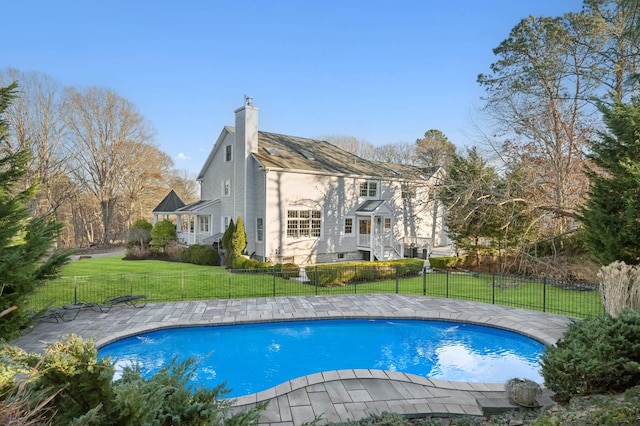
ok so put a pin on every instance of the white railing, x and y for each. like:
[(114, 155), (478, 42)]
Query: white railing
[(190, 238), (364, 240)]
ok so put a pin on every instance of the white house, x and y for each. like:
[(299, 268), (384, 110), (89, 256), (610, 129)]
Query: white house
[(307, 201)]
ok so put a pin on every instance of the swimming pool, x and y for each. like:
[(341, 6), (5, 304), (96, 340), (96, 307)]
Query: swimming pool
[(255, 357)]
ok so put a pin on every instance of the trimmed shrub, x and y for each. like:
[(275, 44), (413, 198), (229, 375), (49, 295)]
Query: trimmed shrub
[(288, 270), (241, 262), (595, 355), (322, 275), (359, 272), (447, 262), (163, 232), (199, 254), (245, 263)]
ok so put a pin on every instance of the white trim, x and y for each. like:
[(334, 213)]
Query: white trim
[(228, 153), (310, 218), (259, 230), (369, 184), (224, 223), (344, 226)]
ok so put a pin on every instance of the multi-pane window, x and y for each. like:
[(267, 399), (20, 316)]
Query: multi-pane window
[(227, 153), (259, 230), (348, 225), (369, 189), (304, 223), (408, 191), (387, 223), (225, 222), (226, 188), (203, 222)]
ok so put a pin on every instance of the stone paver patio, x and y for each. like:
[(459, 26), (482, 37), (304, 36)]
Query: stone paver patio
[(333, 396)]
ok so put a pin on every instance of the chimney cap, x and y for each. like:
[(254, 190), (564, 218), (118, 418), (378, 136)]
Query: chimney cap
[(248, 100)]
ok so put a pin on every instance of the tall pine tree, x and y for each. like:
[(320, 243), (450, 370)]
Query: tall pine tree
[(611, 215), (26, 261)]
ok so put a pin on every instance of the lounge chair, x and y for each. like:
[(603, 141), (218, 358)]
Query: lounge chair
[(52, 315), (137, 301)]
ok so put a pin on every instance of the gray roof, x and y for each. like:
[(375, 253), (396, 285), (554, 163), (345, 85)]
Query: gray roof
[(295, 153), (170, 203), (370, 206), (194, 206)]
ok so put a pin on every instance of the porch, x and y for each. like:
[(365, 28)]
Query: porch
[(375, 231)]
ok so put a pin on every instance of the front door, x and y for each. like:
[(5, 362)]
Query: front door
[(364, 232)]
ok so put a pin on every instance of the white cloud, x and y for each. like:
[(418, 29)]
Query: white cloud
[(182, 156)]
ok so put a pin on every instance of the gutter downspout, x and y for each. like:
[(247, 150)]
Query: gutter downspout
[(264, 217)]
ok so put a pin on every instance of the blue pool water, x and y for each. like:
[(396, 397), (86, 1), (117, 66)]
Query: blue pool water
[(255, 357)]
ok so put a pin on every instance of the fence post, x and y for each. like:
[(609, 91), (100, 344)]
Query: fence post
[(229, 275), (131, 283), (544, 294), (424, 281), (397, 279), (274, 280), (493, 288), (446, 287), (355, 281), (75, 290), (182, 284), (316, 280)]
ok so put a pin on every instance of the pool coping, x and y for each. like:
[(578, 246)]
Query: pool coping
[(339, 394)]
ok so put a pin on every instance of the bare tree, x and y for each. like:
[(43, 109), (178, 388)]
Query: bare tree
[(105, 133), (147, 171), (37, 125), (398, 153), (183, 182), (362, 149), (539, 98)]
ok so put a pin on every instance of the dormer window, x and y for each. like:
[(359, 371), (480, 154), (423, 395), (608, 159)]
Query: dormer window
[(227, 153), (369, 189)]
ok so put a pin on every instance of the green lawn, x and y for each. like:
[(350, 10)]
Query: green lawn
[(94, 280)]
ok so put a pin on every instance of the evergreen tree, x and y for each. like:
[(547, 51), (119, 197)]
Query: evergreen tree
[(162, 233), (226, 243), (467, 192), (239, 238), (611, 215), (26, 261)]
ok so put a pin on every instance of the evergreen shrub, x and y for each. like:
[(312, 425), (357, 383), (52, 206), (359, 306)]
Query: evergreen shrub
[(241, 262), (595, 355), (288, 270), (87, 394), (163, 232), (357, 272), (446, 262), (200, 254)]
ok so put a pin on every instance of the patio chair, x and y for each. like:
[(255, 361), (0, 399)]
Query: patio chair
[(52, 315), (137, 301)]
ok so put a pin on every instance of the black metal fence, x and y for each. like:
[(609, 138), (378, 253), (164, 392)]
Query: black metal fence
[(576, 299)]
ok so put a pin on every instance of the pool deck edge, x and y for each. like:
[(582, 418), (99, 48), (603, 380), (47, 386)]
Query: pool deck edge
[(332, 396)]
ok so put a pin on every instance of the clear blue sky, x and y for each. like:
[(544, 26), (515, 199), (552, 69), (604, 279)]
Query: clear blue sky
[(381, 71)]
